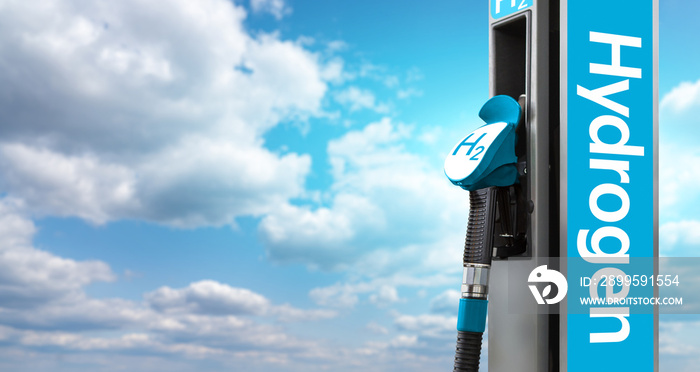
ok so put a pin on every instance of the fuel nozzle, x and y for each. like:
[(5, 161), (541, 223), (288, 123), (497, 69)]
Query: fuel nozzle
[(485, 164)]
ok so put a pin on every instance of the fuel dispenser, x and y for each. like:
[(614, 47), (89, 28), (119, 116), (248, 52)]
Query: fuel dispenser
[(538, 172)]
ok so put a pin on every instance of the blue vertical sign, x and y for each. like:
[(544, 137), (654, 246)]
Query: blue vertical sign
[(610, 136), (502, 8)]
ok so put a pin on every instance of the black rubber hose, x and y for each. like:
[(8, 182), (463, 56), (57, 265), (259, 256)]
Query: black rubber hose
[(478, 247), (468, 351)]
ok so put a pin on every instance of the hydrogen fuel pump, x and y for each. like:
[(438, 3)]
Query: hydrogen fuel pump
[(486, 164), (524, 66), (542, 173)]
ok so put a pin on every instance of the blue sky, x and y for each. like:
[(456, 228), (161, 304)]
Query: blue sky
[(258, 185)]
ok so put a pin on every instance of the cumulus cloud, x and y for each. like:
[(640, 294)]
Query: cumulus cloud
[(211, 338), (78, 313), (277, 8), (41, 290), (337, 295), (80, 186), (121, 110), (388, 207), (118, 110), (357, 99), (428, 325), (404, 341), (30, 277), (208, 297), (44, 304), (228, 326), (386, 295), (320, 236)]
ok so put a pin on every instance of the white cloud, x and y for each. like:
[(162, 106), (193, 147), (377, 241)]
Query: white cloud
[(357, 99), (208, 297), (408, 93), (389, 210), (77, 313), (287, 313), (196, 182), (430, 135), (337, 46), (277, 8), (319, 236), (677, 338), (380, 291), (682, 97), (446, 302), (200, 338), (15, 231), (230, 333), (679, 234), (41, 290), (45, 305), (373, 71), (80, 186), (386, 295), (422, 336), (30, 277), (679, 176), (120, 110), (391, 81), (428, 325), (376, 328), (404, 341), (679, 171), (334, 70), (78, 342), (678, 120), (212, 181), (338, 295)]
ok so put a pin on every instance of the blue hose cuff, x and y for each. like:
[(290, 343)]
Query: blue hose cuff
[(472, 315)]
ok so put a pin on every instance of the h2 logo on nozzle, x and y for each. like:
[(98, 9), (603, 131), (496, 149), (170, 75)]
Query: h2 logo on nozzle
[(543, 275), (471, 145)]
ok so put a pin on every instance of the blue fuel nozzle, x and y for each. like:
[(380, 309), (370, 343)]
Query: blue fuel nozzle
[(486, 157)]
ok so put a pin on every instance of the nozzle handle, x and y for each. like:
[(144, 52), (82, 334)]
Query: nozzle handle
[(478, 245)]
